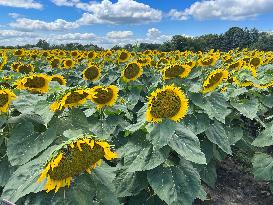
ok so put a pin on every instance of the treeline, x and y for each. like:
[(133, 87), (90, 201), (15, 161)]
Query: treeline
[(235, 37)]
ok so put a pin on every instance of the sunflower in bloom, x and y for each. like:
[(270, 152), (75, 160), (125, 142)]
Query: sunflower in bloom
[(132, 71), (68, 63), (162, 63), (123, 56), (208, 60), (92, 73), (170, 102), (256, 61), (37, 83), (19, 52), (235, 65), (75, 53), (144, 61), (91, 55), (104, 95), (25, 68), (72, 98), (55, 62), (176, 70), (72, 159), (59, 78), (214, 79), (6, 96)]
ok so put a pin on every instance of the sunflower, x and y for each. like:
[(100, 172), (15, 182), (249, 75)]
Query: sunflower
[(123, 56), (75, 53), (214, 79), (72, 159), (19, 52), (59, 78), (235, 65), (6, 96), (256, 61), (91, 55), (92, 73), (68, 63), (144, 61), (34, 83), (208, 60), (25, 68), (169, 102), (55, 62), (176, 70), (104, 95), (70, 99), (132, 71)]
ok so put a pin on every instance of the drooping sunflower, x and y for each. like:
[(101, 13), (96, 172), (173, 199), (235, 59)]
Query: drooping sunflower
[(6, 96), (209, 60), (214, 79), (256, 61), (72, 159), (25, 68), (170, 102), (123, 56), (70, 99), (68, 63), (92, 73), (176, 70), (59, 78), (235, 65), (131, 72), (104, 95), (34, 83)]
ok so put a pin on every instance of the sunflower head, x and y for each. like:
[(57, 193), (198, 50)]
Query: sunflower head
[(70, 99), (214, 79), (256, 61), (15, 65), (123, 56), (25, 68), (19, 52), (92, 73), (131, 72), (167, 103), (68, 63), (176, 70), (209, 60), (73, 158), (91, 54), (75, 53), (104, 95), (59, 78), (55, 62), (37, 83), (6, 96)]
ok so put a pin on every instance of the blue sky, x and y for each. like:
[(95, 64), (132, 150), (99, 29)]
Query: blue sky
[(110, 22)]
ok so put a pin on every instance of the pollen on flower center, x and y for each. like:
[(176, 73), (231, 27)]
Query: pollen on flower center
[(103, 95)]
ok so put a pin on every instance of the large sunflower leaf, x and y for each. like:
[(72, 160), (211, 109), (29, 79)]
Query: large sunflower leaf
[(265, 138), (263, 167), (217, 134), (175, 184), (247, 107), (25, 143)]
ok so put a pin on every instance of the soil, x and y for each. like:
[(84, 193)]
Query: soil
[(235, 186)]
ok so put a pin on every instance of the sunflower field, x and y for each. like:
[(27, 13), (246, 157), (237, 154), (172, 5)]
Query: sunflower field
[(132, 128)]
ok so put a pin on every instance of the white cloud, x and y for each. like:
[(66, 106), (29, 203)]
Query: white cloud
[(75, 36), (15, 34), (30, 25), (153, 33), (224, 9), (15, 15), (121, 12), (27, 4), (119, 34)]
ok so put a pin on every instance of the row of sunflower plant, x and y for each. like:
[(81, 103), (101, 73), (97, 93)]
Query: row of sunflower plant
[(114, 127)]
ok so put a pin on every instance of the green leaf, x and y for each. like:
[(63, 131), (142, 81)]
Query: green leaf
[(25, 143), (265, 138), (217, 134), (145, 198), (267, 100), (197, 122), (234, 134), (263, 167), (208, 173), (24, 180), (247, 107), (186, 144), (140, 155), (130, 183), (3, 120), (5, 171), (42, 109), (215, 105), (161, 132), (176, 184), (69, 134)]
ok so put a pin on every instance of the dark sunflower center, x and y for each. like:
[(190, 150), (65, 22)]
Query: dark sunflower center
[(55, 63), (74, 161), (15, 66), (174, 71), (90, 55), (75, 97), (123, 56), (74, 53), (25, 69), (214, 79), (57, 79), (207, 61), (35, 82), (131, 71), (4, 99), (103, 96), (165, 105), (91, 73), (68, 63), (234, 65), (18, 53), (255, 61)]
